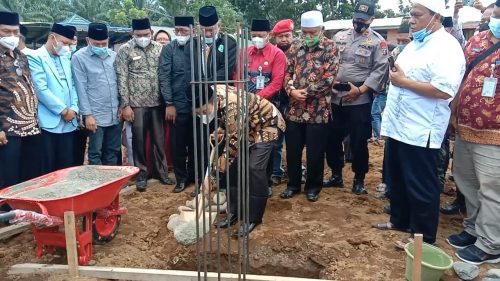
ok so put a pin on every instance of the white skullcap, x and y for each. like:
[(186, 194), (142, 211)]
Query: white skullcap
[(311, 19), (437, 6), (448, 13)]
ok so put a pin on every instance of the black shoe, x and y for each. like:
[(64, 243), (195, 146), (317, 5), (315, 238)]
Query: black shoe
[(461, 240), (312, 197), (476, 256), (141, 183), (165, 180), (359, 188), (288, 193), (453, 208), (334, 181), (270, 192), (245, 229), (387, 209), (228, 221), (276, 180), (179, 187)]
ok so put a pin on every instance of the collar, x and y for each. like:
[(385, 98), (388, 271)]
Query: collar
[(4, 51)]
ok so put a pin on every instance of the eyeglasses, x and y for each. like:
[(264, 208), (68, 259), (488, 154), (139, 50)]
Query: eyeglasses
[(19, 71)]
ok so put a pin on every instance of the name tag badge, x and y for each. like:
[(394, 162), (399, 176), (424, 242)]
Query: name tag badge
[(489, 87), (136, 58), (260, 83)]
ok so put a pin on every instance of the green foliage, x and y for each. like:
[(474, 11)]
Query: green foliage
[(162, 12), (125, 12)]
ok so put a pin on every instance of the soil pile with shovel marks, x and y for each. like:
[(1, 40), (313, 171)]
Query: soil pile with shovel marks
[(330, 239)]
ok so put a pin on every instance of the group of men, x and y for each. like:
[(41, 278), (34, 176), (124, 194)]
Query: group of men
[(311, 92)]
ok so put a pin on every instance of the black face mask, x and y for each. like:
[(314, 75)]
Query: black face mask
[(360, 27), (285, 47), (483, 27)]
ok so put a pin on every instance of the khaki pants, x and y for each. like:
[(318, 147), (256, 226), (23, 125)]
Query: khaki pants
[(477, 174)]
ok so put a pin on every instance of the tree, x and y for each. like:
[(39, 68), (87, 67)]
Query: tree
[(39, 10), (125, 12), (93, 10), (404, 9)]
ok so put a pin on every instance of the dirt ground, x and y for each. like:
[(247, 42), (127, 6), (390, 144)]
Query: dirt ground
[(330, 239)]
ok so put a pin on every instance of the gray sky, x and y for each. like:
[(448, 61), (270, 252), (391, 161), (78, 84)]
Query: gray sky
[(466, 14)]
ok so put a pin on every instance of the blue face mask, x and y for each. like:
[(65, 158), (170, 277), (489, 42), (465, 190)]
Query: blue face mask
[(495, 27), (99, 51), (209, 40), (420, 35)]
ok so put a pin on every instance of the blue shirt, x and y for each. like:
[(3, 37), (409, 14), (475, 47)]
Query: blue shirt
[(96, 85)]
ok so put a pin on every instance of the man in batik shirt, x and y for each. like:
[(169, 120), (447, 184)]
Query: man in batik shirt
[(265, 123), (312, 67)]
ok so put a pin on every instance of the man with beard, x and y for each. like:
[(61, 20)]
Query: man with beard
[(213, 40), (363, 66)]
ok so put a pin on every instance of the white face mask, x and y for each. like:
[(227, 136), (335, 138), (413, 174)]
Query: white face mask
[(10, 42), (62, 50), (259, 42), (182, 40), (143, 42)]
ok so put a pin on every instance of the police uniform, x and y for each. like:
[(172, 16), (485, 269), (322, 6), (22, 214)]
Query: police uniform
[(363, 61)]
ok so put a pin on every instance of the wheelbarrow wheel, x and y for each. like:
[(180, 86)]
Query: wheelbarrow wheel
[(104, 229)]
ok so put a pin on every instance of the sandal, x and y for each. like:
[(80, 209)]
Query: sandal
[(400, 244), (388, 226)]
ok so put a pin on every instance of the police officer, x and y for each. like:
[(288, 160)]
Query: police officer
[(363, 66)]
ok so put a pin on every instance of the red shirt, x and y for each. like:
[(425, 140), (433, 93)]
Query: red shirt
[(478, 116), (271, 61)]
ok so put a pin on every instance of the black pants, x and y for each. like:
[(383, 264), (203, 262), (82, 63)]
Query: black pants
[(20, 160), (149, 119), (181, 138), (314, 137), (81, 136), (259, 162), (411, 172), (58, 151), (354, 121), (202, 151)]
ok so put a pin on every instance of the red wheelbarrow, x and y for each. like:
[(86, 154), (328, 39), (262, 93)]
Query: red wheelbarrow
[(91, 192)]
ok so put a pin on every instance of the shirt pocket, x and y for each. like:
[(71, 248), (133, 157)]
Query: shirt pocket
[(362, 56)]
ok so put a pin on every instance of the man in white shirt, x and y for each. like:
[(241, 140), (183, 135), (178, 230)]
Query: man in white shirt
[(426, 77)]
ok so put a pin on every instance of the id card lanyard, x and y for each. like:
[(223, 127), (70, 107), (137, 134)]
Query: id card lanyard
[(490, 84), (260, 83)]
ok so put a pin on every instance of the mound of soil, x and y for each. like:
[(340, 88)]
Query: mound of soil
[(330, 239)]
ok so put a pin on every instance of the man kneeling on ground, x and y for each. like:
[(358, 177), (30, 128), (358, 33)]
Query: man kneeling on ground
[(264, 122)]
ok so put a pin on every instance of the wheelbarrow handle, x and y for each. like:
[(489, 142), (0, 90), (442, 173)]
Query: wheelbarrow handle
[(38, 204)]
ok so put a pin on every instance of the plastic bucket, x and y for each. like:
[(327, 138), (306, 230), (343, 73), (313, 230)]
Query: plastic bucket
[(434, 262)]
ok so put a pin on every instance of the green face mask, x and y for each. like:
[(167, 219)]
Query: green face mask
[(311, 42)]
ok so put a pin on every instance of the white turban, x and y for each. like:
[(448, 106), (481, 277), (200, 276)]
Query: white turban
[(437, 6), (311, 19)]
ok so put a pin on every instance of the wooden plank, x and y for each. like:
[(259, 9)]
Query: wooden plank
[(70, 235), (417, 257), (8, 231), (138, 274)]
